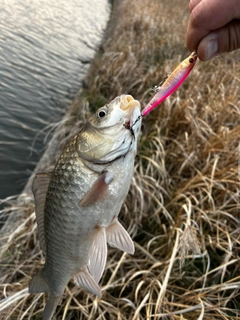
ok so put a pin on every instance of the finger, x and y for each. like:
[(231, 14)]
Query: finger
[(208, 16), (193, 4), (225, 39)]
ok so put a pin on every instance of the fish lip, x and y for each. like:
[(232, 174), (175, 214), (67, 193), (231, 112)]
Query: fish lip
[(128, 103), (135, 120)]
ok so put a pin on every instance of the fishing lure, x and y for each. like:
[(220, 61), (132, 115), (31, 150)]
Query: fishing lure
[(172, 82)]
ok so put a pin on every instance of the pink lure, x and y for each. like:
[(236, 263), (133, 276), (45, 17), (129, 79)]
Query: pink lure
[(171, 84)]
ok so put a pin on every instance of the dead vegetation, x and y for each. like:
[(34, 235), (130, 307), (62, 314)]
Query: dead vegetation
[(183, 207)]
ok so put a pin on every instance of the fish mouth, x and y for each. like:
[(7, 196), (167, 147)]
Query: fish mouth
[(127, 102)]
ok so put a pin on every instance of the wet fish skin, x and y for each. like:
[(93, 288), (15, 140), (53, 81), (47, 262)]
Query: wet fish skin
[(77, 205)]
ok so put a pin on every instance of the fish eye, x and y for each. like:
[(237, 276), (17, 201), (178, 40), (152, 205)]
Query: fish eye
[(102, 112), (191, 60)]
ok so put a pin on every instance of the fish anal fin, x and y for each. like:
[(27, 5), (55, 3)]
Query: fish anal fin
[(38, 284), (85, 280), (98, 254), (118, 237), (98, 191), (39, 189)]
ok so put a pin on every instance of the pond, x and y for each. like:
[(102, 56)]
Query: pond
[(46, 48)]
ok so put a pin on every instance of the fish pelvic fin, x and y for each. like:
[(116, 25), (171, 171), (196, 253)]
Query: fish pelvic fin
[(118, 237), (38, 284), (98, 191), (97, 256), (50, 307)]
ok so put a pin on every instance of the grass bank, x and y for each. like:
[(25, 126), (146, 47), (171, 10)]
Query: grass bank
[(183, 206)]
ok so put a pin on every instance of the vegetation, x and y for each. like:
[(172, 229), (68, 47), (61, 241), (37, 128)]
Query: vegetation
[(183, 207)]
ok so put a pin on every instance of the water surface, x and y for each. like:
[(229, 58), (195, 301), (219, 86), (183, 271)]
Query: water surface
[(45, 50)]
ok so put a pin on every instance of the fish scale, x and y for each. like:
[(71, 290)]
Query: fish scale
[(63, 248)]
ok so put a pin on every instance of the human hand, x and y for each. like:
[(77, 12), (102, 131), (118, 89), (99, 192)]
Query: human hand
[(214, 27)]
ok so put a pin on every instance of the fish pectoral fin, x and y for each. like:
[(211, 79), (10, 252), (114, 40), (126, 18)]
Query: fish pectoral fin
[(118, 237), (87, 282), (98, 254), (39, 189), (98, 190)]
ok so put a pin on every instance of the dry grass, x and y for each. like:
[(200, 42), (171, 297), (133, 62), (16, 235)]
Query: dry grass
[(183, 206)]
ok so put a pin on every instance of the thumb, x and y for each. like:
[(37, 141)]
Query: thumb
[(225, 39)]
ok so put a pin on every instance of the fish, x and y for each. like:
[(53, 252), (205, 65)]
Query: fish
[(172, 82), (77, 204)]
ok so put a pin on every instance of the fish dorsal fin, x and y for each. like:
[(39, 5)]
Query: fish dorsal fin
[(118, 237), (98, 254), (98, 191), (40, 188), (87, 282)]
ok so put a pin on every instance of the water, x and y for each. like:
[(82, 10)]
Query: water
[(45, 50)]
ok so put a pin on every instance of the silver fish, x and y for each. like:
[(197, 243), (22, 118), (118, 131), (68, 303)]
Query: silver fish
[(77, 205)]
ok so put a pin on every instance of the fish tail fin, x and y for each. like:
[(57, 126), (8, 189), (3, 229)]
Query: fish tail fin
[(38, 284), (50, 307)]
